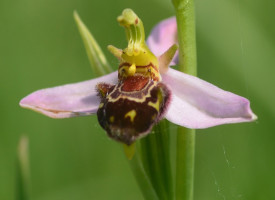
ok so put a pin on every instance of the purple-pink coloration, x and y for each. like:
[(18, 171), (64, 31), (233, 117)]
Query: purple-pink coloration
[(71, 100), (198, 104), (163, 36), (195, 103)]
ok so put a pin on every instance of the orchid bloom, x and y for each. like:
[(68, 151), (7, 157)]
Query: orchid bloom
[(144, 90)]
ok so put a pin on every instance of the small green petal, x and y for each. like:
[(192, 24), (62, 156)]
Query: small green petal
[(166, 58), (97, 58), (115, 51)]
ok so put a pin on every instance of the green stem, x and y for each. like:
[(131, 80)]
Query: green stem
[(186, 36), (187, 64), (142, 179), (155, 154), (185, 163), (23, 170)]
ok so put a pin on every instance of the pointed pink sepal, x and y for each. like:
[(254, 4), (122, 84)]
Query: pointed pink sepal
[(198, 104), (163, 36), (71, 100)]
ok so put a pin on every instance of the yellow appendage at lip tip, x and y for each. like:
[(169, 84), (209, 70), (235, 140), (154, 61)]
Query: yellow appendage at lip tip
[(129, 150)]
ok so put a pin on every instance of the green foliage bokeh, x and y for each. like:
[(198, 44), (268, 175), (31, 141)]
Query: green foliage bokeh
[(73, 158)]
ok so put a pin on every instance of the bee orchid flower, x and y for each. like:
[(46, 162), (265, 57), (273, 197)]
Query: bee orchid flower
[(144, 90)]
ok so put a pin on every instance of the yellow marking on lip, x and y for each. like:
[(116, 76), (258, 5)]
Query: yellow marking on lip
[(101, 105), (156, 105), (121, 96), (132, 114), (112, 119)]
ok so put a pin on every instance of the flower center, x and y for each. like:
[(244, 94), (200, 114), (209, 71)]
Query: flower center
[(136, 58)]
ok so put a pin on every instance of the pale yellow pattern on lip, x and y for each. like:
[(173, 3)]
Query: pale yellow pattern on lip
[(121, 96), (101, 105), (156, 105), (132, 114), (112, 119)]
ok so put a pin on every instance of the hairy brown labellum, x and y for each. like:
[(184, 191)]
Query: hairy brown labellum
[(129, 109)]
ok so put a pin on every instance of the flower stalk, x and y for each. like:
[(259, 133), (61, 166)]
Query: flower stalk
[(142, 179), (155, 154), (23, 170), (188, 64)]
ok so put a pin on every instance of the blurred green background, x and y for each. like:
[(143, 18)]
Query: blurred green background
[(73, 158)]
